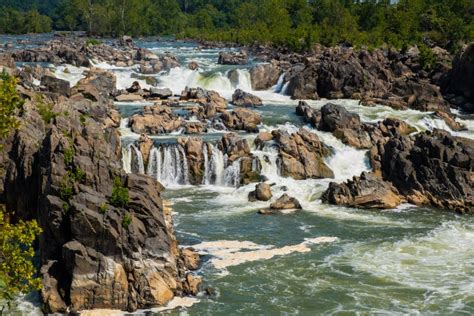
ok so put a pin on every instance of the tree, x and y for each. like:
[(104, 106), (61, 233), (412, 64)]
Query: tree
[(17, 272)]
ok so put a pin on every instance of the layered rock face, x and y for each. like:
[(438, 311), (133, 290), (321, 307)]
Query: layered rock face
[(349, 128), (366, 191), (431, 169), (233, 58), (380, 77), (107, 239), (425, 169)]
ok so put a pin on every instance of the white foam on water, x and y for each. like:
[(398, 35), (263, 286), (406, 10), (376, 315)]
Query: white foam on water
[(440, 263), (227, 253), (73, 74)]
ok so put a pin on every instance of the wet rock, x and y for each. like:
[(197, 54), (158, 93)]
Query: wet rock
[(234, 146), (233, 58), (135, 87), (155, 120), (245, 99), (241, 119), (145, 144), (366, 191), (264, 76), (263, 192), (191, 258), (195, 128), (285, 202), (126, 41), (450, 120), (193, 65), (192, 284)]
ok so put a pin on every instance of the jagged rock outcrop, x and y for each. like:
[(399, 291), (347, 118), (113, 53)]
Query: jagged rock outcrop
[(384, 77), (301, 154), (264, 76), (107, 238), (245, 99), (367, 191), (431, 169), (241, 119), (152, 64), (233, 58), (204, 96), (348, 127)]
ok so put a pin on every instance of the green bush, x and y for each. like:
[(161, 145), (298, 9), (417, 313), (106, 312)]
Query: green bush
[(119, 196), (10, 102), (103, 208), (92, 42), (126, 221), (46, 112), (428, 59)]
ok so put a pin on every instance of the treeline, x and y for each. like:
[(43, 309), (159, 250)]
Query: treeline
[(297, 24)]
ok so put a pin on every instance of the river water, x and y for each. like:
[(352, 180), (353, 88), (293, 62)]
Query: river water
[(321, 260)]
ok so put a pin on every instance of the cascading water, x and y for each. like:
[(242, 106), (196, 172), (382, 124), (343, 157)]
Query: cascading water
[(132, 159), (213, 165)]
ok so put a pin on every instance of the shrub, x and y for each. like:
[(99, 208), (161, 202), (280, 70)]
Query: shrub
[(10, 102), (17, 272), (119, 196), (103, 208), (45, 110), (428, 59), (126, 221)]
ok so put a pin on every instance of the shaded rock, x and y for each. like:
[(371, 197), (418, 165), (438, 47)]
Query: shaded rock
[(431, 169), (263, 192), (56, 85), (245, 99), (285, 202), (233, 58), (366, 191), (135, 87), (460, 80)]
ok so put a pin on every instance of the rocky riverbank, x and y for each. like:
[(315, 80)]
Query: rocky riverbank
[(108, 239)]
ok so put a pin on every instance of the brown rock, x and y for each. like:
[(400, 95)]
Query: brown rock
[(285, 202), (263, 192)]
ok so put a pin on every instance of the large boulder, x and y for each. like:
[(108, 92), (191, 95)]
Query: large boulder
[(286, 202), (204, 96), (233, 58), (366, 191), (245, 99), (155, 120), (241, 119), (56, 85), (264, 76), (301, 154), (262, 192)]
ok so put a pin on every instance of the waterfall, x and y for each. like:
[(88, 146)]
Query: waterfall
[(269, 162), (244, 80), (232, 173), (213, 167), (169, 165), (279, 86), (285, 88), (132, 159)]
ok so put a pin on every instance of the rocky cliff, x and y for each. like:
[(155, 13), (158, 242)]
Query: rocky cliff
[(108, 240)]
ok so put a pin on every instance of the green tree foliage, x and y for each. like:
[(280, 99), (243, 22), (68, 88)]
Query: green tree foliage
[(10, 102), (296, 24), (119, 196), (17, 272)]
